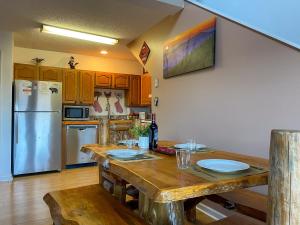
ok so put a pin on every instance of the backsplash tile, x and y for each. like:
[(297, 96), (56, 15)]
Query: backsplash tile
[(116, 101)]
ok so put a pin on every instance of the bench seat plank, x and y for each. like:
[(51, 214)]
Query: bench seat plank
[(89, 205), (238, 219), (246, 202)]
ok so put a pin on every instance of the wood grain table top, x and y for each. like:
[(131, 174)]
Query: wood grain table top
[(163, 182)]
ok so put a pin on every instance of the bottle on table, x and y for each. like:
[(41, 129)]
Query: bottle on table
[(153, 137)]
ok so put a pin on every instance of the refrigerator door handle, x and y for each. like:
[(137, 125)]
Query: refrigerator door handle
[(17, 127)]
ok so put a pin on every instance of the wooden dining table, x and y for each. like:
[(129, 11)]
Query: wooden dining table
[(168, 195)]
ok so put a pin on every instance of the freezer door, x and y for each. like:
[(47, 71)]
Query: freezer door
[(37, 142), (78, 135), (37, 95)]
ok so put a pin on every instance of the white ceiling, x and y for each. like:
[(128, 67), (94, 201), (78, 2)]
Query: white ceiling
[(121, 19)]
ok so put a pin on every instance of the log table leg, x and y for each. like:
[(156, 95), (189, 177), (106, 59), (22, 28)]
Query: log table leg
[(190, 208), (161, 213), (284, 178)]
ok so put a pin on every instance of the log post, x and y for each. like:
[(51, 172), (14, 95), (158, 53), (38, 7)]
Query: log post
[(160, 213), (284, 178)]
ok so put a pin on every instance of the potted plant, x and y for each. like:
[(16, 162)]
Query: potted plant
[(141, 131)]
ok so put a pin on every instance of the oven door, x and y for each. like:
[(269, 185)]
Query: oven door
[(76, 113)]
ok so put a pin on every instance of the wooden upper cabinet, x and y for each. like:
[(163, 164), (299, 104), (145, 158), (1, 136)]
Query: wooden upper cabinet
[(103, 80), (70, 86), (50, 73), (146, 90), (120, 81), (86, 86), (134, 92), (25, 72)]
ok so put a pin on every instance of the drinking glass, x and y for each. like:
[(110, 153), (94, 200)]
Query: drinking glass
[(191, 144), (183, 157), (129, 143)]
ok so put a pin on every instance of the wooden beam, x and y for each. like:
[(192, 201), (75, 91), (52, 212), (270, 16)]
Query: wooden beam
[(284, 179)]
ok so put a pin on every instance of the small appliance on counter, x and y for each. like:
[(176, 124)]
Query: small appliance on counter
[(36, 126), (75, 112)]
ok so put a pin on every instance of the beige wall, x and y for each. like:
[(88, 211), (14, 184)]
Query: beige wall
[(6, 76), (60, 59), (253, 88)]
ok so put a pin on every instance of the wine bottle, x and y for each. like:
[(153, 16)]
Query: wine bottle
[(153, 139)]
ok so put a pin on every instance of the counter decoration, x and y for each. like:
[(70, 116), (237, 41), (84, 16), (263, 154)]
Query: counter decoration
[(141, 131)]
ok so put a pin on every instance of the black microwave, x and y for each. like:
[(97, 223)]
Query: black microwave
[(74, 112)]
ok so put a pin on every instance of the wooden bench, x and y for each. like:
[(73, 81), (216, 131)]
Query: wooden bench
[(238, 220), (243, 201), (89, 205)]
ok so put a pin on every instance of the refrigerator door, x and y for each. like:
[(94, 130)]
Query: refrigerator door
[(37, 96), (76, 136), (37, 142)]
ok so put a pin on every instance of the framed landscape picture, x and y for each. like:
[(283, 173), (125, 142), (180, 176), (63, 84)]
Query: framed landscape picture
[(192, 50)]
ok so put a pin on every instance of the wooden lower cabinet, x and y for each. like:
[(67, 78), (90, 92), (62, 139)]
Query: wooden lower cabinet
[(133, 95), (25, 72), (120, 81), (70, 86), (50, 73), (86, 87), (146, 91)]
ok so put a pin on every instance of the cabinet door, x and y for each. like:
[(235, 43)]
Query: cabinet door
[(120, 81), (146, 90), (134, 92), (86, 83), (70, 86), (50, 73), (25, 72), (103, 80)]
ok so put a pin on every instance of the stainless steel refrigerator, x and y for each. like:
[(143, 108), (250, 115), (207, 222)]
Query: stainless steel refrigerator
[(37, 126)]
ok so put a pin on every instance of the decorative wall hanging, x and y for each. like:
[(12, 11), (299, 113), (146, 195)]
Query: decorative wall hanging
[(96, 105), (144, 53), (191, 50)]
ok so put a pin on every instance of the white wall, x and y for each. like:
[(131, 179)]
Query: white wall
[(253, 88), (275, 18), (6, 76), (60, 59)]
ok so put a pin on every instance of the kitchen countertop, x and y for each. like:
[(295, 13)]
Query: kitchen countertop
[(81, 122)]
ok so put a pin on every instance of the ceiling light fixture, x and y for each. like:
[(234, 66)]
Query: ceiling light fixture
[(104, 52), (78, 35)]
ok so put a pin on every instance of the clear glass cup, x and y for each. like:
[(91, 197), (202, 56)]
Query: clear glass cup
[(129, 143), (191, 144), (183, 157)]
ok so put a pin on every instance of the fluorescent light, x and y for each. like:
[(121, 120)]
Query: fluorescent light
[(104, 52), (78, 35)]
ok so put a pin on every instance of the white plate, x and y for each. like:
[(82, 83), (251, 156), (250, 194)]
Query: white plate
[(186, 145), (124, 142), (123, 153), (223, 165)]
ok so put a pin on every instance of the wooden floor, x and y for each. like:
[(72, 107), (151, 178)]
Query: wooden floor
[(21, 201)]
